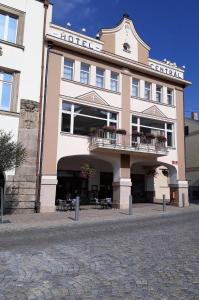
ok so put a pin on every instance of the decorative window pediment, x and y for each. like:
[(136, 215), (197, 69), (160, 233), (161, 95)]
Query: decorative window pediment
[(154, 111), (93, 97)]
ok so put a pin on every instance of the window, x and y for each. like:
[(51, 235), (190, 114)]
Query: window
[(68, 69), (169, 96), (79, 119), (147, 90), (84, 73), (8, 27), (155, 127), (100, 77), (159, 93), (126, 47), (6, 81), (135, 87), (114, 82)]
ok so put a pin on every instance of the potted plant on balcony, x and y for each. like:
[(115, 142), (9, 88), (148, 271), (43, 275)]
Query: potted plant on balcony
[(110, 129), (161, 138), (149, 137), (121, 131), (136, 133)]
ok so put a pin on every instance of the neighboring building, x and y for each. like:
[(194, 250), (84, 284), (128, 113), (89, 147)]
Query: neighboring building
[(192, 157), (94, 86), (22, 23)]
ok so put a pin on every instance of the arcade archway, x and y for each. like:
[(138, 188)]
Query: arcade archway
[(152, 180), (72, 182)]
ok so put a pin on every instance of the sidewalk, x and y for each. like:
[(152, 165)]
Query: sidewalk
[(87, 216)]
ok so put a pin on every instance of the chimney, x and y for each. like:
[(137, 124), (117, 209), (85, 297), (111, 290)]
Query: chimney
[(194, 116)]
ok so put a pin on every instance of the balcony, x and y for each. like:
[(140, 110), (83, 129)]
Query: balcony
[(105, 141)]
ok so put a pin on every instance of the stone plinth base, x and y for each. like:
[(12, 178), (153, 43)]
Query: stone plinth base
[(121, 193), (48, 193), (20, 194), (179, 194)]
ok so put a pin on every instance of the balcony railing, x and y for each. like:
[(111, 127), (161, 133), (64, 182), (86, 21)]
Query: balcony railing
[(127, 143)]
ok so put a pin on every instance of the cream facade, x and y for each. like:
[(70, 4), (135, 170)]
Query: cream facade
[(110, 106), (22, 24)]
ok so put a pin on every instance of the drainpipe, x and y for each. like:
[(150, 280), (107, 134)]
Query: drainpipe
[(40, 122)]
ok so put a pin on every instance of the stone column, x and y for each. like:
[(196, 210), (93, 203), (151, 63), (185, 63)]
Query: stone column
[(20, 188), (176, 194), (181, 186), (122, 185), (49, 162), (122, 181)]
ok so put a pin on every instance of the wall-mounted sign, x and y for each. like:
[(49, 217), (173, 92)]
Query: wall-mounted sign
[(166, 70), (77, 40)]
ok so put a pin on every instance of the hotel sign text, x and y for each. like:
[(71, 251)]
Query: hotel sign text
[(166, 70), (77, 40)]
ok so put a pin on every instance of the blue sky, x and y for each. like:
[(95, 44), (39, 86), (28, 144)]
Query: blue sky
[(170, 28)]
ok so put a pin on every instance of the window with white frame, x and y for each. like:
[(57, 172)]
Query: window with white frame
[(6, 81), (79, 119), (159, 93), (100, 77), (135, 87), (68, 69), (169, 96), (85, 73), (8, 27), (154, 127), (114, 82), (147, 90)]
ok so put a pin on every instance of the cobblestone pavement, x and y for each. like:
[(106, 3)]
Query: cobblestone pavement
[(153, 258), (87, 215)]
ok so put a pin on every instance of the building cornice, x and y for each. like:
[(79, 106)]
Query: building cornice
[(115, 59)]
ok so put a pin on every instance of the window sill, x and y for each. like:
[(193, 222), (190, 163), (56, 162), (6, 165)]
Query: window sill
[(153, 101), (91, 86), (12, 44), (74, 135), (9, 113)]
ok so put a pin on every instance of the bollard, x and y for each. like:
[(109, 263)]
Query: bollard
[(183, 200), (1, 204), (130, 205), (77, 209), (164, 203)]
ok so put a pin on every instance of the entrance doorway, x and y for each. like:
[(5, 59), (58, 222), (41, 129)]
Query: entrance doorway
[(106, 182), (138, 188)]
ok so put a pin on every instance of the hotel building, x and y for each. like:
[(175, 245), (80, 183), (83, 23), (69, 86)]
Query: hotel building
[(109, 105)]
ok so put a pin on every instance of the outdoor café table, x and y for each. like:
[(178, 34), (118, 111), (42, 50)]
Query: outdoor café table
[(106, 203)]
